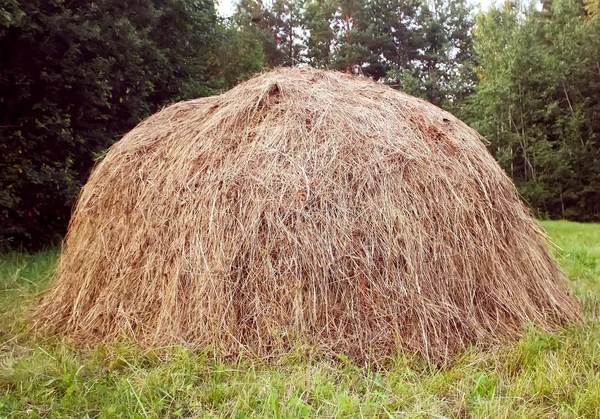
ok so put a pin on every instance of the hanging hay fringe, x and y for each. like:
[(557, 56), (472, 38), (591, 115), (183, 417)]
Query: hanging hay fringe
[(304, 206)]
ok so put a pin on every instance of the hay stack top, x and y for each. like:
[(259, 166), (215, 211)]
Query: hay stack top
[(304, 206)]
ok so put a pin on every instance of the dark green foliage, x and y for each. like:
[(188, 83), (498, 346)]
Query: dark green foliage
[(252, 20), (239, 55), (75, 77), (444, 68), (537, 101)]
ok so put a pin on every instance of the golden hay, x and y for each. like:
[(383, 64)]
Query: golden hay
[(304, 206)]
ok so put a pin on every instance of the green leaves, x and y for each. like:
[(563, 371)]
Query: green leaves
[(536, 101), (75, 77)]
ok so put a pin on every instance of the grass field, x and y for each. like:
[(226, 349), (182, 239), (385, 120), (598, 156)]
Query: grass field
[(542, 375)]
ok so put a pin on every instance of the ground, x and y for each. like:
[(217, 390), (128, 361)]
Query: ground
[(542, 375)]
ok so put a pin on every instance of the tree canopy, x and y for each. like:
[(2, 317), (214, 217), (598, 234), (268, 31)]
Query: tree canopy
[(537, 101)]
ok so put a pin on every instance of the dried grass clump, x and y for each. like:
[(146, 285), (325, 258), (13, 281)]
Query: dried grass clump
[(304, 206)]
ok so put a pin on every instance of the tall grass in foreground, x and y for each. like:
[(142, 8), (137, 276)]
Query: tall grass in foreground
[(542, 375)]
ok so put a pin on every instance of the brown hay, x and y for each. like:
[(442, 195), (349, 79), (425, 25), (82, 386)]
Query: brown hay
[(304, 206)]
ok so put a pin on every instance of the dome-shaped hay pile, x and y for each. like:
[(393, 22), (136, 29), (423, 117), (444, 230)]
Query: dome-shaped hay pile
[(304, 206)]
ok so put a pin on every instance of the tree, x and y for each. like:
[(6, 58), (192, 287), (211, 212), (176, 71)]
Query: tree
[(276, 27), (286, 18), (318, 15), (436, 61), (75, 77), (537, 102), (240, 55), (342, 35)]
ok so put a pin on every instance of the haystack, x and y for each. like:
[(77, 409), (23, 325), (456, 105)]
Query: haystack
[(304, 207)]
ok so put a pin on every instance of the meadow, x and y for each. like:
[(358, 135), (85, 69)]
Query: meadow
[(542, 375)]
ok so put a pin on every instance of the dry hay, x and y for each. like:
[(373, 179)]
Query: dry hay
[(304, 206)]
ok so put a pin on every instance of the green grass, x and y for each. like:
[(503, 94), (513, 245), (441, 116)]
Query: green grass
[(542, 375)]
